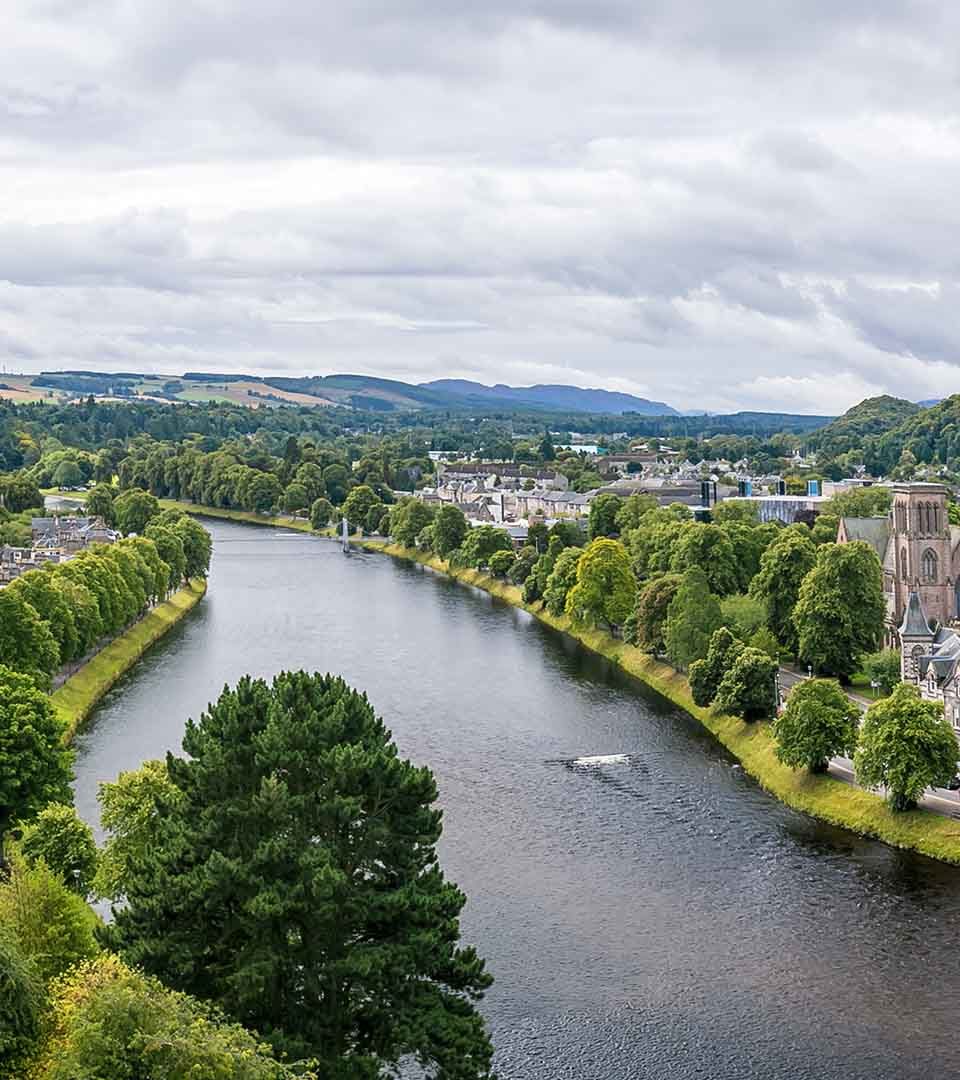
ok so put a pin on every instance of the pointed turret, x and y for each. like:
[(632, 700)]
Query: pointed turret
[(916, 636)]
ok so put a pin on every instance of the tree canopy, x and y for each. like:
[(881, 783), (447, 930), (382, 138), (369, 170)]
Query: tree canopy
[(818, 722)]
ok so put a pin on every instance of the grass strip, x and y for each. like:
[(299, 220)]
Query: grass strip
[(75, 700)]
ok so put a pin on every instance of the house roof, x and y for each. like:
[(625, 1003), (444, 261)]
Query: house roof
[(873, 530)]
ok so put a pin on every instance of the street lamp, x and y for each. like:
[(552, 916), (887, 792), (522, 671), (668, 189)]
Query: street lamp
[(809, 671)]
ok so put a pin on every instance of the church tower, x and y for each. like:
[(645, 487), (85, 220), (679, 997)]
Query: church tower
[(922, 550)]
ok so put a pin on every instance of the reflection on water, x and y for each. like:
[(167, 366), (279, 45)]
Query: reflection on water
[(647, 911)]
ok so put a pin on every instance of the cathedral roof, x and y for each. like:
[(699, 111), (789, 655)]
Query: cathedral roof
[(914, 620), (874, 530)]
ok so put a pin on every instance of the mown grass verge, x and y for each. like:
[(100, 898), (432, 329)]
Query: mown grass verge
[(246, 517), (75, 700), (821, 797)]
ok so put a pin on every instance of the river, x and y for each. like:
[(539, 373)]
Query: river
[(647, 914)]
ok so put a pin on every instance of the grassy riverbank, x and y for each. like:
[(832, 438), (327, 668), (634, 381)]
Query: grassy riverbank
[(246, 517), (75, 700), (821, 797)]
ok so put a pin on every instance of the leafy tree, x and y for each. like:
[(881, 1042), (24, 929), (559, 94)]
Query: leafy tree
[(170, 549), (295, 498), (295, 810), (35, 767), (538, 536), (840, 609), (709, 548), (706, 674), (133, 510), (53, 925), (450, 529), (358, 504), (18, 493), (46, 594), (749, 688), (407, 519), (562, 579), (568, 532), (536, 581), (606, 589), (523, 565), (67, 475), (263, 493), (375, 515), (744, 614), (336, 479), (633, 510), (818, 722), (501, 562), (692, 617), (26, 641), (735, 511), (649, 618), (764, 640), (783, 567), (603, 516), (310, 477), (321, 513), (197, 546), (21, 1005), (546, 450), (99, 503), (59, 837), (824, 529), (883, 668), (108, 1021), (129, 808), (480, 543), (905, 745)]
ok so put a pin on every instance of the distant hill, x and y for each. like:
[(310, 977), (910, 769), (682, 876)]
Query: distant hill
[(929, 434), (871, 419), (928, 403), (551, 396)]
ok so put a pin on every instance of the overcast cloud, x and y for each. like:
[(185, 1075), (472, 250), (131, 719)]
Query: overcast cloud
[(737, 205)]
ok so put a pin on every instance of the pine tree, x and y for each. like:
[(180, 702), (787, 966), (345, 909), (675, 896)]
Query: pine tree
[(295, 882)]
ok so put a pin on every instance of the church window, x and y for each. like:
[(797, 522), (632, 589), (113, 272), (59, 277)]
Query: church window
[(936, 518), (903, 564), (901, 517), (915, 654), (928, 565)]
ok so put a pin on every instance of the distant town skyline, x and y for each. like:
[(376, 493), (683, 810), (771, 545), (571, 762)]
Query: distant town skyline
[(743, 206)]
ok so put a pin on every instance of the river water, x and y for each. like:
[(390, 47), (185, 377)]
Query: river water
[(646, 910)]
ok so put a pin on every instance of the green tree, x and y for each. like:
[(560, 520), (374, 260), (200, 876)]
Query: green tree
[(633, 510), (749, 688), (546, 450), (129, 809), (745, 615), (99, 503), (45, 593), (59, 837), (818, 722), (54, 926), (295, 498), (905, 745), (840, 609), (536, 582), (709, 548), (170, 549), (603, 516), (35, 766), (523, 565), (336, 479), (321, 513), (450, 529), (67, 475), (692, 617), (407, 519), (310, 477), (21, 1005), (649, 619), (883, 668), (480, 544), (375, 515), (562, 579), (735, 511), (706, 674), (501, 562), (197, 546), (133, 510), (108, 1021), (263, 493), (358, 504), (605, 590), (297, 811), (783, 566), (764, 640), (26, 641)]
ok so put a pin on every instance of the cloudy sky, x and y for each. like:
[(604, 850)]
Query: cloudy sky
[(748, 204)]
